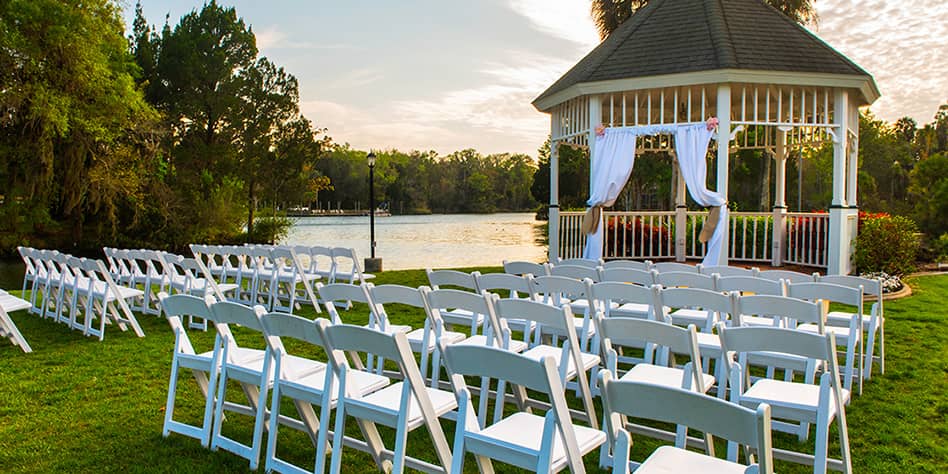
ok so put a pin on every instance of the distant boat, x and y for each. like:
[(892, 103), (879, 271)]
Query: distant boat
[(380, 213)]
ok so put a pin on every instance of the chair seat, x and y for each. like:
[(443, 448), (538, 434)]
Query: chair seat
[(669, 459), (759, 321), (481, 340), (841, 333), (709, 344), (416, 337), (461, 316), (660, 375), (841, 318), (392, 328), (389, 399), (538, 352), (523, 430), (11, 303), (685, 316), (347, 276), (366, 382), (100, 290), (788, 395), (632, 310)]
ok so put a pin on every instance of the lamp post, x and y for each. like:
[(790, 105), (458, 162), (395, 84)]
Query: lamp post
[(372, 264)]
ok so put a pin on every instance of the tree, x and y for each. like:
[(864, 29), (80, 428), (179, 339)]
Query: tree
[(268, 100), (74, 130), (609, 14)]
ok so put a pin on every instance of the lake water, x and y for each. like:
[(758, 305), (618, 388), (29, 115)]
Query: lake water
[(433, 241), (406, 242)]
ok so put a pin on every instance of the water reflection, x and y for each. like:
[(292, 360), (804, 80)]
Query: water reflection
[(436, 241)]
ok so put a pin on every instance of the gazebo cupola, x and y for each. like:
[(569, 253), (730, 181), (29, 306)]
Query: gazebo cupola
[(742, 61)]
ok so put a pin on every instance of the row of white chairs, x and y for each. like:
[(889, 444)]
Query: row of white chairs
[(8, 330), (78, 292), (711, 301), (549, 315), (279, 277), (859, 345)]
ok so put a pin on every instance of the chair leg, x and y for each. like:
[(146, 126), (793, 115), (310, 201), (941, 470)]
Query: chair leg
[(270, 455), (169, 404), (822, 445)]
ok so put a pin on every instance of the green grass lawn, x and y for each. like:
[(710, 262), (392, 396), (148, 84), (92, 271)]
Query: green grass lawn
[(77, 404)]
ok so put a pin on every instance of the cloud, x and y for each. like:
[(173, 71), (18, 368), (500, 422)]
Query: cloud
[(356, 78), (565, 19), (501, 106), (271, 37), (900, 44)]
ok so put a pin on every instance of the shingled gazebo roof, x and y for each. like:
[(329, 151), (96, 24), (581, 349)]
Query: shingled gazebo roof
[(737, 40)]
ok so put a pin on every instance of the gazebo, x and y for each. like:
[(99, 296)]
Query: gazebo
[(772, 84)]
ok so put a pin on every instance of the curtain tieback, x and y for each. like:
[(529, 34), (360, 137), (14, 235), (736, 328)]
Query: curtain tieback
[(591, 220), (710, 224)]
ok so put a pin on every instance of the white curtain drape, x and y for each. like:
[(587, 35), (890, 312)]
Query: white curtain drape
[(611, 165), (691, 146)]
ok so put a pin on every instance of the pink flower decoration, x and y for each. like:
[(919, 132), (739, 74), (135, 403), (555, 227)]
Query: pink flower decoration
[(601, 130), (712, 123)]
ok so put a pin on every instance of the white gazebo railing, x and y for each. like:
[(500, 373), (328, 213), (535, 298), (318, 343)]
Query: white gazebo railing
[(801, 240)]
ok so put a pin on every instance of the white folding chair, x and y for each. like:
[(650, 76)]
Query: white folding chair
[(148, 273), (572, 293), (526, 268), (746, 285), (508, 285), (792, 310), (801, 402), (873, 323), (306, 388), (102, 293), (320, 262), (255, 376), (848, 334), (663, 342), (740, 425), (8, 330), (719, 307), (622, 300), (457, 280), (572, 363), (542, 444), (404, 405), (496, 332), (290, 276), (423, 340), (347, 268), (204, 366), (685, 316)]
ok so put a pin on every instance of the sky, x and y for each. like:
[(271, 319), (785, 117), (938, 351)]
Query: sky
[(446, 75)]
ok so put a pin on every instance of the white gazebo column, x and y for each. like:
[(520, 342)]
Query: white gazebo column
[(681, 212), (595, 118), (779, 234), (840, 236), (553, 213), (724, 144)]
